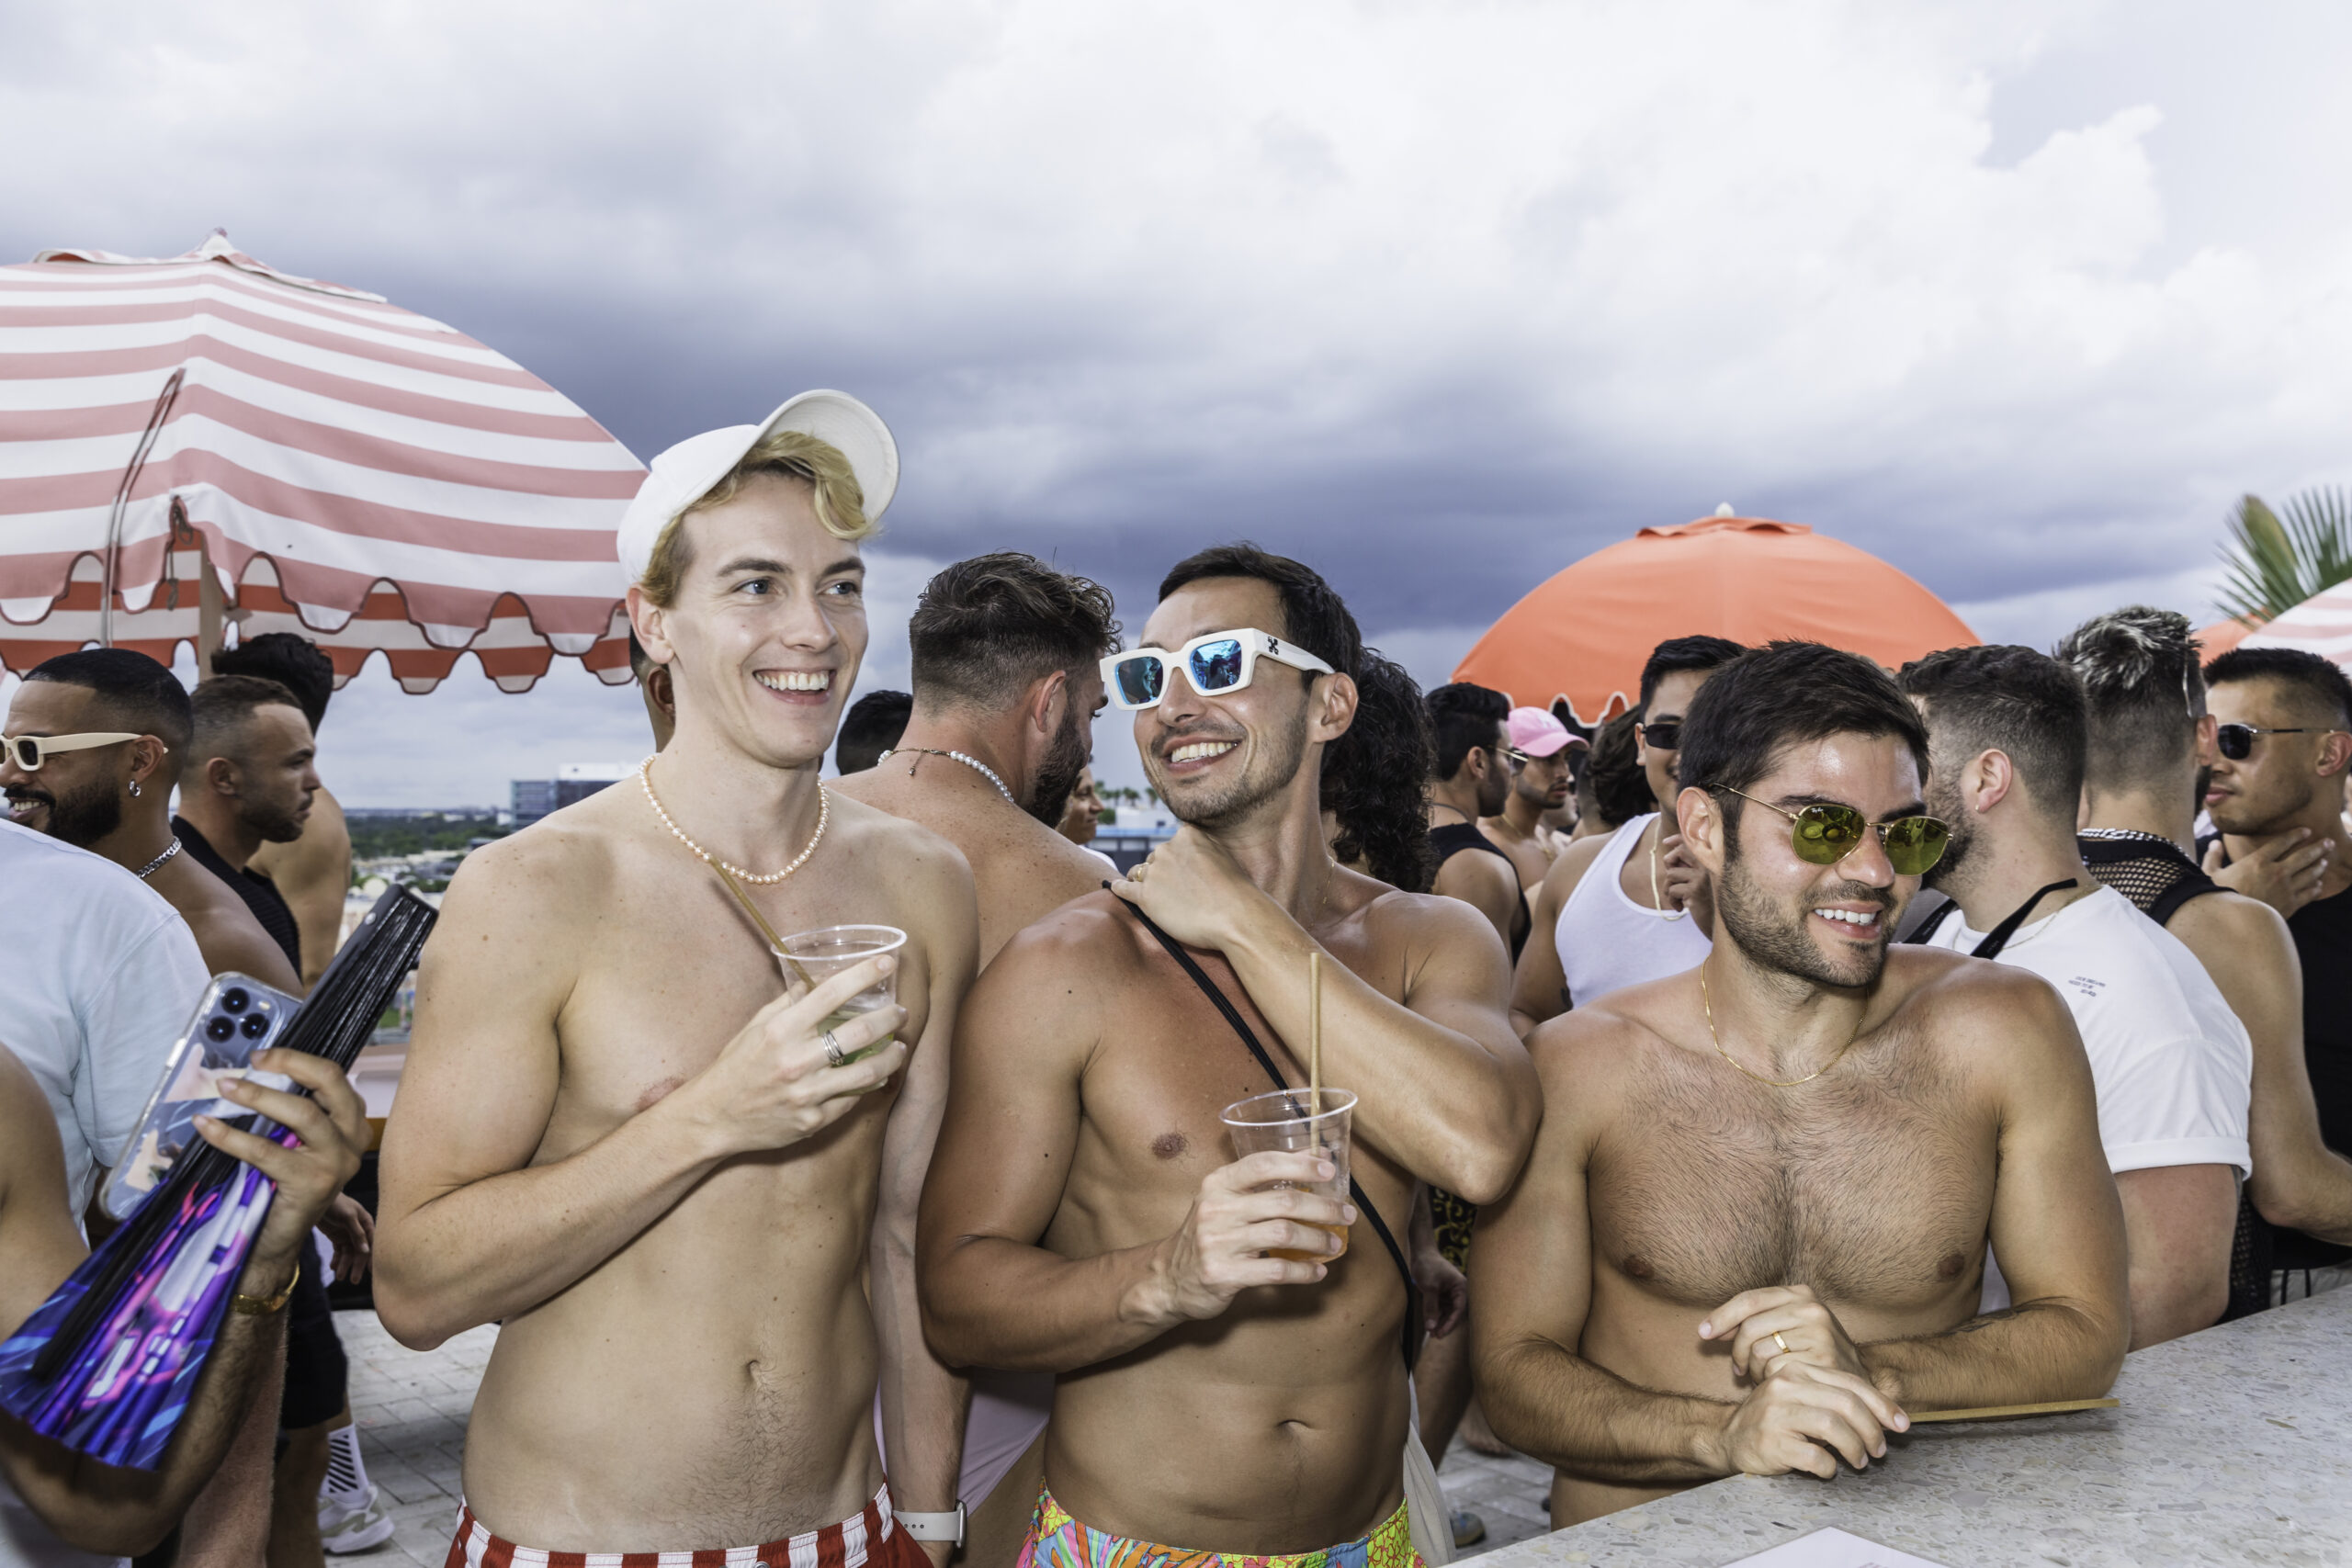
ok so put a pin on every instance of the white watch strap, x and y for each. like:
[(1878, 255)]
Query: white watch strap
[(948, 1527)]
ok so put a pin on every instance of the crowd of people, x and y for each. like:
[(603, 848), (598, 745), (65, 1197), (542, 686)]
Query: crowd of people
[(1814, 1046)]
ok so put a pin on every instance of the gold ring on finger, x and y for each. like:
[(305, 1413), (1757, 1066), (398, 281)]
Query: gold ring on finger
[(1780, 1342)]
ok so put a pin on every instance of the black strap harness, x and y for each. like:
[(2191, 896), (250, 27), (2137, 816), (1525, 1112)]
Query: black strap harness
[(1412, 1334)]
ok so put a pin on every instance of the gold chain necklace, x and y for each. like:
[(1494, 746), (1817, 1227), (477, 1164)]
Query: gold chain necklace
[(645, 777), (1708, 1002)]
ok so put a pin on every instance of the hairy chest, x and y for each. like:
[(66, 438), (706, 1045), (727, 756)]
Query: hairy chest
[(1876, 1189)]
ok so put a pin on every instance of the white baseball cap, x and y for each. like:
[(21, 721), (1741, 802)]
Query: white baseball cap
[(685, 473)]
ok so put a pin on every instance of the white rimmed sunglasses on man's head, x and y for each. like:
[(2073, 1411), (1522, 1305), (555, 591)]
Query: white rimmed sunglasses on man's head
[(29, 751), (1215, 663)]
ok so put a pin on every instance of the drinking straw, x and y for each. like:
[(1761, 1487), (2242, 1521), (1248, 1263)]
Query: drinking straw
[(761, 920), (1314, 1031), (1996, 1412)]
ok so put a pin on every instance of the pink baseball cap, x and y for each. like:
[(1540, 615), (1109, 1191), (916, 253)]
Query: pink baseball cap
[(1537, 733)]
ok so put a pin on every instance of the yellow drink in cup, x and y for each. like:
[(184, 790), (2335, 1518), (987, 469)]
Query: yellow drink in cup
[(1283, 1121), (820, 954)]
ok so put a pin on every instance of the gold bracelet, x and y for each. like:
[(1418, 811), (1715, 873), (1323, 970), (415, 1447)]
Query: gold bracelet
[(265, 1306)]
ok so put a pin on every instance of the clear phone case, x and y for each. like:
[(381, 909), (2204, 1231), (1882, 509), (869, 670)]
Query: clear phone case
[(237, 1017)]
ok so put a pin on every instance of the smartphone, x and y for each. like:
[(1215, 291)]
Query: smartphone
[(237, 1017)]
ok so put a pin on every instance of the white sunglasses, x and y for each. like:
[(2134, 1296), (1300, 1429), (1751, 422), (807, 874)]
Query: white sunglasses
[(29, 751), (1215, 663)]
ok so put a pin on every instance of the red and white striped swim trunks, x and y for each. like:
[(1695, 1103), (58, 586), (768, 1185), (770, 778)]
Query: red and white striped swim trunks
[(872, 1538)]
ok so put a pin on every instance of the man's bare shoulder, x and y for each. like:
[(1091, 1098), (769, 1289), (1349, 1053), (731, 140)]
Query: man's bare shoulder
[(1094, 933), (2230, 928), (1587, 1056), (1993, 1017), (559, 869), (905, 847), (1421, 919)]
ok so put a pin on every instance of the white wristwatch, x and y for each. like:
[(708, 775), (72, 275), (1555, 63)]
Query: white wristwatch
[(948, 1527)]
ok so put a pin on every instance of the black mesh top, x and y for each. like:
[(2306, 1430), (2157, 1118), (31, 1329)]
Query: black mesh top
[(2153, 873)]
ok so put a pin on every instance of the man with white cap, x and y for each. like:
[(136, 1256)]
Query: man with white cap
[(1541, 754), (682, 1180)]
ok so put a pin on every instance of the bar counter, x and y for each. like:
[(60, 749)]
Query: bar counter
[(2231, 1446)]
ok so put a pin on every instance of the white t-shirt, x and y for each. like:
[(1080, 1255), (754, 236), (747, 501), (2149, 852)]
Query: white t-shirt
[(98, 977), (2171, 1062)]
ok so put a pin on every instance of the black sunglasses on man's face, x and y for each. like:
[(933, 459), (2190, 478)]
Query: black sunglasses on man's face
[(2236, 741)]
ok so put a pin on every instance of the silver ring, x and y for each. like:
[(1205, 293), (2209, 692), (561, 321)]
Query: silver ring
[(833, 1054)]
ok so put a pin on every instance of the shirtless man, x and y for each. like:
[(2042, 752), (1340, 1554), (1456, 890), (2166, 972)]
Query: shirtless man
[(1752, 1232), (314, 872), (1007, 685), (1644, 917), (1006, 690), (1084, 1216), (115, 800), (615, 1136), (1542, 781)]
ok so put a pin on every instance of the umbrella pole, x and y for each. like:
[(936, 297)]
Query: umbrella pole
[(208, 607)]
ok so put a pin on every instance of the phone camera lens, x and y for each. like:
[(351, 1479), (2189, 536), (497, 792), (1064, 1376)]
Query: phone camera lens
[(236, 998), (255, 1025), (218, 1029)]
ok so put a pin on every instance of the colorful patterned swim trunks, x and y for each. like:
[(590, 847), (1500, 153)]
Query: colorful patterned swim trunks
[(1056, 1540)]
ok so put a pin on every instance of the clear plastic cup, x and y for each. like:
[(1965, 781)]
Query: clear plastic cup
[(1281, 1122), (820, 954)]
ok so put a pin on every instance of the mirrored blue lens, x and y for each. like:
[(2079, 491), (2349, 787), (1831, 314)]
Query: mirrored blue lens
[(1217, 666), (1139, 681)]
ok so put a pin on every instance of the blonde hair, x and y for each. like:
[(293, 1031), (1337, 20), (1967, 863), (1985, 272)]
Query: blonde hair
[(840, 504)]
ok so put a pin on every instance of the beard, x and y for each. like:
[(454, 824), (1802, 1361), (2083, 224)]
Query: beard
[(1944, 804), (1058, 774), (79, 818), (277, 824), (1274, 768), (1775, 937)]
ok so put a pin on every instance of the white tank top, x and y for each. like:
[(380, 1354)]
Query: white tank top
[(1608, 941)]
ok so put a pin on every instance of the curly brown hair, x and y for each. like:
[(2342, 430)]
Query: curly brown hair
[(1372, 778)]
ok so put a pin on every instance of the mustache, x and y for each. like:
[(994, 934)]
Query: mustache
[(24, 795), (1858, 893)]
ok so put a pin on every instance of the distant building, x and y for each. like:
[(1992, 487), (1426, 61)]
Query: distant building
[(573, 781)]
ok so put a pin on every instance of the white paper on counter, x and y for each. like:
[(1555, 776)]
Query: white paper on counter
[(1832, 1549)]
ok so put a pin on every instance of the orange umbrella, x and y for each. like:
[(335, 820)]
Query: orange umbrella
[(2220, 637), (1584, 633)]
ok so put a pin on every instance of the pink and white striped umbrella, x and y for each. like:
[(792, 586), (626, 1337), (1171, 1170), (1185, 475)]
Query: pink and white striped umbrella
[(361, 474), (2320, 623)]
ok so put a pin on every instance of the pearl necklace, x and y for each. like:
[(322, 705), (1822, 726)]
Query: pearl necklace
[(968, 762), (645, 777), (157, 864)]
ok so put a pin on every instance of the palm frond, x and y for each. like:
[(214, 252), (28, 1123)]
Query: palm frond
[(2274, 565)]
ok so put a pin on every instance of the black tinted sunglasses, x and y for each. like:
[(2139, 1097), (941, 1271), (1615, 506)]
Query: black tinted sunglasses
[(1665, 735), (2236, 741)]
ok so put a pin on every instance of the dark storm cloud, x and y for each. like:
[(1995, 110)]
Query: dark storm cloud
[(1437, 298)]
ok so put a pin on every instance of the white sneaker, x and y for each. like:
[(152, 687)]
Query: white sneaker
[(346, 1528)]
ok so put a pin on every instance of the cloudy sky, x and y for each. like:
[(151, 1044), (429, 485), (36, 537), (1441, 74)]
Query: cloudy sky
[(1439, 297)]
